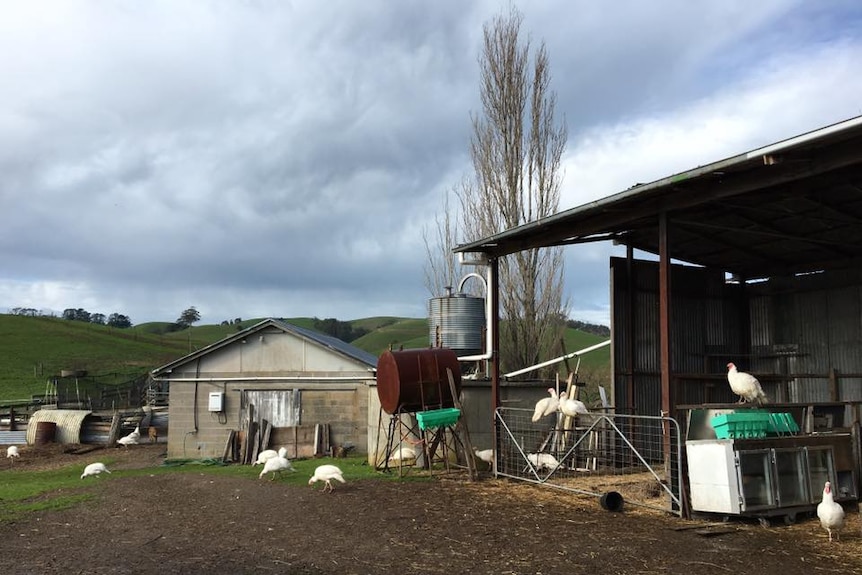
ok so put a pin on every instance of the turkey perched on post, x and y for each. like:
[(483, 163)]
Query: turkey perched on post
[(831, 514), (572, 407), (745, 385), (546, 406)]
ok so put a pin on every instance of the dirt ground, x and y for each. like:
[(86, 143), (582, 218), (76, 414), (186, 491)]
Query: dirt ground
[(193, 523)]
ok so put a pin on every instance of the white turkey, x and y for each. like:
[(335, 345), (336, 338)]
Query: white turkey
[(543, 461), (831, 514), (266, 454), (94, 469), (486, 455), (403, 453), (12, 451), (546, 406), (572, 407), (327, 473), (745, 385), (276, 464), (131, 439)]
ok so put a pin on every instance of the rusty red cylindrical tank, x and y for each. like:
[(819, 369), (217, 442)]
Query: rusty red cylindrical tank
[(416, 379)]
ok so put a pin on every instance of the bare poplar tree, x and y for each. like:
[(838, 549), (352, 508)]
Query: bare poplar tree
[(516, 149), (441, 268)]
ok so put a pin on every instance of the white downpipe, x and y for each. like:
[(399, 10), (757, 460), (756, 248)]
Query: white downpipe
[(558, 360), (489, 336)]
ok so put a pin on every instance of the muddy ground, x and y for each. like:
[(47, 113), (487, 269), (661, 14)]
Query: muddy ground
[(198, 523)]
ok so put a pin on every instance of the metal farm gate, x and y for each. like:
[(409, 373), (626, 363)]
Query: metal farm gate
[(594, 454)]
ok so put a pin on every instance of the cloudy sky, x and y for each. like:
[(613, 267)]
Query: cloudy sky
[(257, 158)]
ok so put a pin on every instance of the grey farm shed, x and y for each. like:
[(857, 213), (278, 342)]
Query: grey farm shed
[(294, 378)]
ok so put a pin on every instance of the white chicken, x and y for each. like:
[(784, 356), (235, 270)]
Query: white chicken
[(831, 514), (276, 464), (486, 455), (745, 385), (131, 439), (266, 454), (403, 453), (94, 469), (12, 451), (572, 407), (547, 405), (326, 473), (543, 461)]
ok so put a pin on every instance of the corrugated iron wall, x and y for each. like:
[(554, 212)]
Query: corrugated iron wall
[(792, 330)]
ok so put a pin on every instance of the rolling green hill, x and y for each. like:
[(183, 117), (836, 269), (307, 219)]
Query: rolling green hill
[(34, 349)]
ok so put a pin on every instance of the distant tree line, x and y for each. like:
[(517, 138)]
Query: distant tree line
[(592, 328), (117, 320), (30, 312), (237, 321), (343, 330)]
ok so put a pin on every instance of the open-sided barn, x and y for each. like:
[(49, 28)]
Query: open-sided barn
[(754, 259)]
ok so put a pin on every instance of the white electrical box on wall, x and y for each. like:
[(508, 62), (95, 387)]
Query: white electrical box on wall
[(216, 401)]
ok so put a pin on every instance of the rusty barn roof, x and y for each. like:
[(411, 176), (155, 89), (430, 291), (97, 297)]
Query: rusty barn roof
[(791, 207)]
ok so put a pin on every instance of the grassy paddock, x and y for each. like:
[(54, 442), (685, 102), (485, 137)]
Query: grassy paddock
[(23, 492)]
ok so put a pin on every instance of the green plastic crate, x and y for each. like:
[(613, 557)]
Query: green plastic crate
[(782, 424), (437, 417), (743, 425)]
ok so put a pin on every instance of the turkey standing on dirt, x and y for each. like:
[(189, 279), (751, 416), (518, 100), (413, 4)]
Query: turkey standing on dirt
[(12, 451), (745, 385), (94, 469), (543, 461), (486, 455), (276, 464), (831, 514), (327, 473), (131, 439)]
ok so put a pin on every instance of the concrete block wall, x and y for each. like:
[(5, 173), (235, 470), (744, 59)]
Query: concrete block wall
[(344, 410)]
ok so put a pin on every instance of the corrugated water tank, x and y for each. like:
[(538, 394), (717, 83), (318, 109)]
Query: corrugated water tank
[(457, 322)]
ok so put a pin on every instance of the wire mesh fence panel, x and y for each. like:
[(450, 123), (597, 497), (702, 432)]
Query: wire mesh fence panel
[(635, 456)]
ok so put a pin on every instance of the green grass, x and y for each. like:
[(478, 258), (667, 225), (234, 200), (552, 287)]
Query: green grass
[(35, 349), (30, 491)]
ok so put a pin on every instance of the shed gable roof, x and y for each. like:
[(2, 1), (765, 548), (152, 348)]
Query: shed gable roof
[(333, 344)]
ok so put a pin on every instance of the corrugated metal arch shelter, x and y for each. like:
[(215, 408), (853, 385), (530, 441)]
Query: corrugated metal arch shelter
[(790, 208), (69, 423)]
